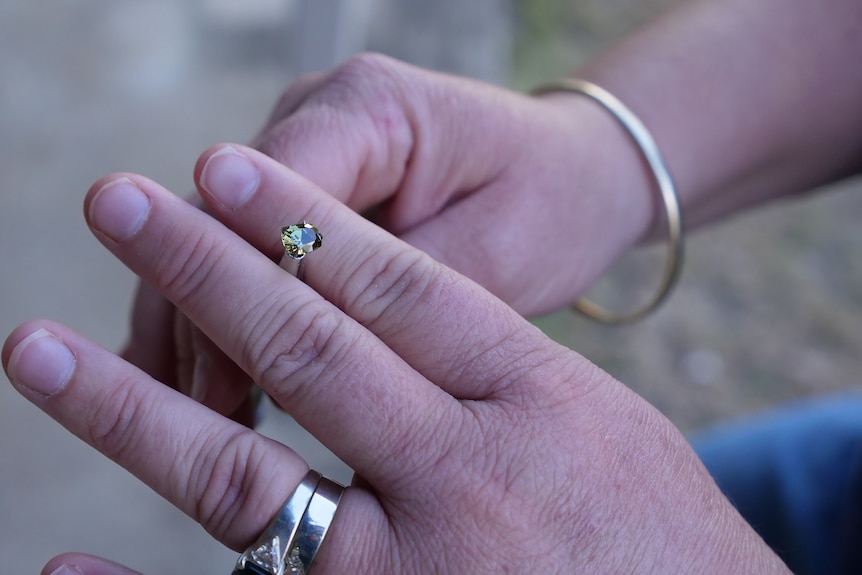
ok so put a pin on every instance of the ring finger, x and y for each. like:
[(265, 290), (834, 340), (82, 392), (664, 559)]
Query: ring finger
[(226, 477), (434, 319), (215, 470)]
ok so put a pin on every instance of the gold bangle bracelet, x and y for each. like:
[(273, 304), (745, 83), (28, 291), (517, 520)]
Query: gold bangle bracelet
[(650, 152)]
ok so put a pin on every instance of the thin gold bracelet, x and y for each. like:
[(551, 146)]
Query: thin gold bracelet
[(651, 154)]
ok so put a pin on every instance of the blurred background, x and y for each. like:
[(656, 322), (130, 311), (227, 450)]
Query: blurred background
[(769, 308)]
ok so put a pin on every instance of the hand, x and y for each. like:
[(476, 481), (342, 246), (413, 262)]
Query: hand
[(480, 446), (501, 187), (530, 197)]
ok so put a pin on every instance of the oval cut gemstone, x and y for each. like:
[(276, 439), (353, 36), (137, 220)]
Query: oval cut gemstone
[(301, 239)]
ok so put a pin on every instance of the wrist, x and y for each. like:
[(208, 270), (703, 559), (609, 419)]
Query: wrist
[(622, 186), (652, 158), (610, 167)]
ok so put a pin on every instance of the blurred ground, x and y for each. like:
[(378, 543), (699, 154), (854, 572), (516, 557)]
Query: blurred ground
[(769, 309)]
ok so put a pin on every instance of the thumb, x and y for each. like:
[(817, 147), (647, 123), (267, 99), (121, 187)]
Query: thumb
[(347, 130), (378, 131)]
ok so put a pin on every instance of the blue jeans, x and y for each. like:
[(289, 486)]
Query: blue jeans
[(796, 475)]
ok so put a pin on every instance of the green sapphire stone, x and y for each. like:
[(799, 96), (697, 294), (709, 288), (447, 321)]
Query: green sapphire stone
[(300, 240)]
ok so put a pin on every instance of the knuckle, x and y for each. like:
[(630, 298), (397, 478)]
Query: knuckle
[(221, 478), (374, 84), (405, 285), (364, 68), (294, 94), (112, 424), (364, 81), (189, 265), (363, 101), (289, 351)]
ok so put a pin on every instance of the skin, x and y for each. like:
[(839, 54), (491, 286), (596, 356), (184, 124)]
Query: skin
[(551, 465), (547, 462)]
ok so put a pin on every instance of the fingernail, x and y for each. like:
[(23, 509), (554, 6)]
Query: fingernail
[(119, 209), (230, 177), (42, 363)]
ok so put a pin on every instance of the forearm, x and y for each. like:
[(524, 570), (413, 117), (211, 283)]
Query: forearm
[(747, 100)]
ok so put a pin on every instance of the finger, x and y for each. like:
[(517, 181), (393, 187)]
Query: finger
[(446, 327), (220, 473), (151, 343), (185, 355), (349, 131), (218, 382), (169, 348), (206, 374), (228, 478), (290, 100), (338, 380)]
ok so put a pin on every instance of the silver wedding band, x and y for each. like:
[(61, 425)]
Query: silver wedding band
[(290, 543), (314, 526)]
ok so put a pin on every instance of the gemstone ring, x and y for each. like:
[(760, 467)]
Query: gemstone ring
[(292, 539), (298, 240)]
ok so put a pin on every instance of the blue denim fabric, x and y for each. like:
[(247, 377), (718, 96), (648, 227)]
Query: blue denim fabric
[(796, 475)]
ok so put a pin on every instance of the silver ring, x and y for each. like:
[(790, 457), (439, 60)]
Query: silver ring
[(298, 240), (267, 555), (314, 526)]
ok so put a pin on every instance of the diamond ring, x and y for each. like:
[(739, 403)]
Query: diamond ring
[(298, 240), (291, 541)]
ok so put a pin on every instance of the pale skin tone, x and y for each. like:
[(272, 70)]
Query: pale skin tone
[(442, 398), (546, 462)]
